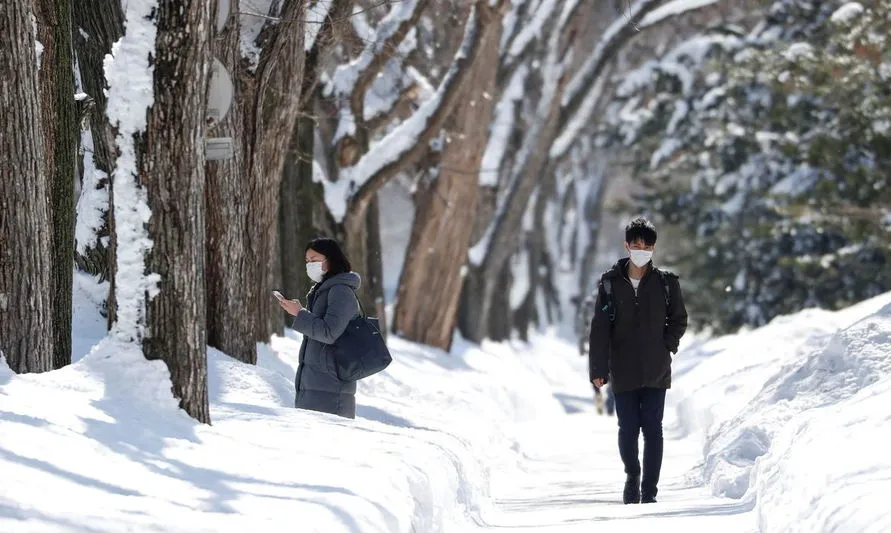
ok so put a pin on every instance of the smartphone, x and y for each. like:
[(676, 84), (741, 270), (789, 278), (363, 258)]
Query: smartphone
[(278, 295)]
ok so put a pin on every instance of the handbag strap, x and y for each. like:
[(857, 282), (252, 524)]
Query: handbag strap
[(359, 301)]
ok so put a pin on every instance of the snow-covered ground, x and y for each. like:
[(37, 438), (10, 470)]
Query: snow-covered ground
[(780, 429)]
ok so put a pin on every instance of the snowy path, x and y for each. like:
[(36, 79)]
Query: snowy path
[(573, 481)]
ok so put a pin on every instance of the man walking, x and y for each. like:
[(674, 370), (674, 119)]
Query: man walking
[(639, 319)]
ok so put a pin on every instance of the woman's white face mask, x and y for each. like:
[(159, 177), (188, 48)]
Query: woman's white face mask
[(314, 271)]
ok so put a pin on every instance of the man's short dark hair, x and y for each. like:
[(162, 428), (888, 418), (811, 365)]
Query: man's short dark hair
[(640, 229)]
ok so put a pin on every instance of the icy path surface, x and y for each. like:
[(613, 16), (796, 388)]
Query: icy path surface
[(573, 478)]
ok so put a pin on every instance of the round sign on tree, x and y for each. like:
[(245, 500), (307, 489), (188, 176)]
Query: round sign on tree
[(219, 97)]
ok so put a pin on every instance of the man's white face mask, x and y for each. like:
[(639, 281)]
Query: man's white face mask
[(640, 258)]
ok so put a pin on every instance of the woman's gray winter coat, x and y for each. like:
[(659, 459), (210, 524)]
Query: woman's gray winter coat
[(330, 306)]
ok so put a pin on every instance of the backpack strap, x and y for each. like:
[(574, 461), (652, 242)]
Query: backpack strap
[(664, 275), (607, 285)]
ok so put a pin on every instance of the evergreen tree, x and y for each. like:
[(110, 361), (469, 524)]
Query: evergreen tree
[(769, 151)]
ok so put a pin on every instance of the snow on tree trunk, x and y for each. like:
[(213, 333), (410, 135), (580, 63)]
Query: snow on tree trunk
[(441, 231), (60, 128), (128, 71), (171, 167), (99, 23), (26, 328)]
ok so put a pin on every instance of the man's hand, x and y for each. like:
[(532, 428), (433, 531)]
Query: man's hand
[(598, 382), (291, 306)]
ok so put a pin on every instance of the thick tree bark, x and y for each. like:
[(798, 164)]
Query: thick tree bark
[(26, 332), (230, 287), (445, 213), (278, 82), (174, 179), (244, 252), (60, 130), (302, 210)]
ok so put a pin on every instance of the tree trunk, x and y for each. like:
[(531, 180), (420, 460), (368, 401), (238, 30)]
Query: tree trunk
[(230, 286), (500, 320), (174, 179), (278, 95), (445, 214), (353, 236), (103, 23), (243, 228), (300, 198), (374, 264), (60, 130), (26, 327)]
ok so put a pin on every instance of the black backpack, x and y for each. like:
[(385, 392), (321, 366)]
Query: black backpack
[(606, 283), (360, 351)]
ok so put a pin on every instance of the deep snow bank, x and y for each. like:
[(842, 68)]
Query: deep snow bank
[(101, 446), (795, 418)]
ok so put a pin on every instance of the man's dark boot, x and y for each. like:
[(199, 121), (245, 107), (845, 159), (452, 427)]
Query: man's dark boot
[(648, 497), (632, 489)]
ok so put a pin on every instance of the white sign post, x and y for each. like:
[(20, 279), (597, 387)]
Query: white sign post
[(219, 148)]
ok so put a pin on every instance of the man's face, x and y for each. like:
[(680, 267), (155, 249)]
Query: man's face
[(639, 244)]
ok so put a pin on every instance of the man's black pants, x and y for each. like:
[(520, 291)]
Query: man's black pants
[(637, 410)]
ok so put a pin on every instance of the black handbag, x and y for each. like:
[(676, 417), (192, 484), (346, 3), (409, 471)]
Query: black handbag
[(360, 351)]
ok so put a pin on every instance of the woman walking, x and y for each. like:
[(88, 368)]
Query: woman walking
[(330, 305)]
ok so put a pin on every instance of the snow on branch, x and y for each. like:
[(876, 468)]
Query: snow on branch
[(315, 19), (619, 32), (533, 29), (673, 8), (502, 127), (400, 147), (353, 80), (251, 24), (130, 80), (581, 119), (519, 186)]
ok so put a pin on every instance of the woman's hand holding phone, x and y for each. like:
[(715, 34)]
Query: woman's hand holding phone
[(292, 307)]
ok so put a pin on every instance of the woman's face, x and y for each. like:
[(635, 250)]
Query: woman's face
[(313, 256)]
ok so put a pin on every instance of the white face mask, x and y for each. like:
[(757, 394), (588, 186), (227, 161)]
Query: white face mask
[(640, 258), (314, 271)]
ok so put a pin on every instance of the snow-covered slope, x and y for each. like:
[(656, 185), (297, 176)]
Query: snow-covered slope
[(795, 418), (101, 446)]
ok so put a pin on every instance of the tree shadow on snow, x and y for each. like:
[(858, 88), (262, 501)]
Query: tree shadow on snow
[(30, 517), (379, 415), (141, 432)]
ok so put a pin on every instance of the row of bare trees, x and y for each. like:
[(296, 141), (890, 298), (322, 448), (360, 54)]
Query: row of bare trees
[(333, 100)]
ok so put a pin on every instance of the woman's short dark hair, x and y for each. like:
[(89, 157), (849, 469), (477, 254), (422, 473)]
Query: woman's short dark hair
[(640, 229), (337, 260)]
